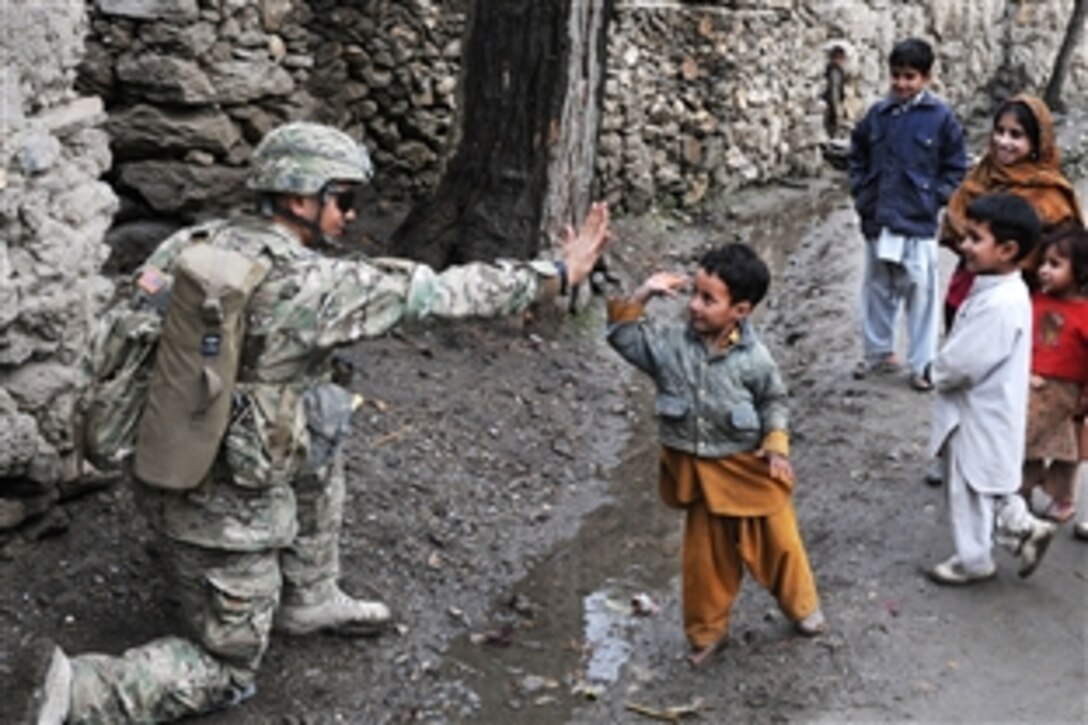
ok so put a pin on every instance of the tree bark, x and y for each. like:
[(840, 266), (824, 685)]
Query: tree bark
[(1073, 33), (531, 86)]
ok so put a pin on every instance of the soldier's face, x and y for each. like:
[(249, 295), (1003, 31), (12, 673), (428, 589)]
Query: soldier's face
[(337, 211)]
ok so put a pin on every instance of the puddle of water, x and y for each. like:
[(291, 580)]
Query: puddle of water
[(578, 636), (606, 625)]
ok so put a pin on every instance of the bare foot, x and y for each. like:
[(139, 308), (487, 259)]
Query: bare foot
[(700, 656)]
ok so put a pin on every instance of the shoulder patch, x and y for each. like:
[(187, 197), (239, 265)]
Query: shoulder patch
[(151, 280)]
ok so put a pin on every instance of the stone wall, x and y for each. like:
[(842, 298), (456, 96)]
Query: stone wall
[(53, 214), (701, 97), (192, 85), (705, 97)]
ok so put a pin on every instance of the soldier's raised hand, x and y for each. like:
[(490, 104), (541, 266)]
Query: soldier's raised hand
[(581, 249)]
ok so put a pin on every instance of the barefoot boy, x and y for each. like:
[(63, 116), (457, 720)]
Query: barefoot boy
[(722, 423), (980, 416)]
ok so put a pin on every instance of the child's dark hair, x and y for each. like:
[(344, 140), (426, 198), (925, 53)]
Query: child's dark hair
[(912, 53), (1010, 218), (1071, 241), (836, 51), (741, 269), (1024, 116)]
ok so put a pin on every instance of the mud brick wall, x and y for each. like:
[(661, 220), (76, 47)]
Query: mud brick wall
[(53, 214)]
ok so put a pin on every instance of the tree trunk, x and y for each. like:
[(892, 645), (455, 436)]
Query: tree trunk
[(1073, 33), (531, 86)]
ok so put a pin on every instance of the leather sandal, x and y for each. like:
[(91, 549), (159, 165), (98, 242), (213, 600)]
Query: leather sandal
[(700, 656), (1080, 530), (886, 366), (921, 383), (1060, 511)]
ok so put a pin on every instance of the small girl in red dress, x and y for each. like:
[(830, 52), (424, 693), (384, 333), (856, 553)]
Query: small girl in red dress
[(1059, 370)]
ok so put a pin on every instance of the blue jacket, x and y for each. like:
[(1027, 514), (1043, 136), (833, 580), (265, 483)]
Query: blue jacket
[(904, 164)]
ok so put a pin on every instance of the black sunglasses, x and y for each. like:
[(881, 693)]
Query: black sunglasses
[(343, 198)]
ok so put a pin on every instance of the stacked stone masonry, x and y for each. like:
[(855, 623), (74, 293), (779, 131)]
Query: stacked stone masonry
[(701, 98), (54, 211), (192, 85), (166, 99)]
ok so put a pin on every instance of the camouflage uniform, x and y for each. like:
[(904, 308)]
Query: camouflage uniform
[(266, 521)]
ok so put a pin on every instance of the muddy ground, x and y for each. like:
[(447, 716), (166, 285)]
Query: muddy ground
[(503, 501)]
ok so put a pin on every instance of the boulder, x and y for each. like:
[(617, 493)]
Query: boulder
[(415, 155), (38, 151), (9, 296), (131, 243), (145, 130), (184, 10), (162, 79), (238, 81), (18, 436), (12, 513), (274, 12), (174, 187), (34, 386)]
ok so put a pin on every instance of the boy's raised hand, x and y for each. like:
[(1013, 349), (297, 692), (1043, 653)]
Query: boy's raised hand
[(660, 284)]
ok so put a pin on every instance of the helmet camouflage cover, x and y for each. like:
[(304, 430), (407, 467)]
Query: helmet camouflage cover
[(302, 157)]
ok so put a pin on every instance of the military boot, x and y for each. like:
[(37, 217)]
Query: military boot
[(43, 684), (332, 611)]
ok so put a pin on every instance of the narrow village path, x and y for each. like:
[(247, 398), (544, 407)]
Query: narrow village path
[(901, 648), (503, 500)]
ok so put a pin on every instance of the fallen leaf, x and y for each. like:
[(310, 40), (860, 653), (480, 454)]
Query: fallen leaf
[(501, 637), (670, 714), (643, 606), (618, 607), (586, 690)]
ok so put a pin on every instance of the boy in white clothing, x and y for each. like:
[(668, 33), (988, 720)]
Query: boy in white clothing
[(980, 415)]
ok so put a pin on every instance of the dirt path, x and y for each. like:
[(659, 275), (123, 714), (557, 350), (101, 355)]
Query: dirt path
[(504, 501)]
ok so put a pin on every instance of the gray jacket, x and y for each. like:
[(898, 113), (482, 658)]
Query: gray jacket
[(712, 404)]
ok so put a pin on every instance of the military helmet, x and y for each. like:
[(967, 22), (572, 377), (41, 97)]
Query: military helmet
[(302, 157)]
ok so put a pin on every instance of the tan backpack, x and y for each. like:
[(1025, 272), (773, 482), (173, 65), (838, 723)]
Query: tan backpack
[(189, 397)]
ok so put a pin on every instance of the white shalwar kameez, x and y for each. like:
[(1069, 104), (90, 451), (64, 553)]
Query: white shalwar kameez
[(980, 417)]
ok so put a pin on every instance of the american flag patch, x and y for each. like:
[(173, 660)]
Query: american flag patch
[(151, 280)]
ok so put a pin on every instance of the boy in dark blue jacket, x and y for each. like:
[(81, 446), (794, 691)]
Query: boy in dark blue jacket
[(906, 157)]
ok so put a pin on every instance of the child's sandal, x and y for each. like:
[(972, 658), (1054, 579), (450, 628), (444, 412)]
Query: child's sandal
[(1060, 511), (921, 383), (886, 366), (698, 658)]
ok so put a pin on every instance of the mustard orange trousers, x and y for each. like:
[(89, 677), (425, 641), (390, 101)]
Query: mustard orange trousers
[(716, 550)]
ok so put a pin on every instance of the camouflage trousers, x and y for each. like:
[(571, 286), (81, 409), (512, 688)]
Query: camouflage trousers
[(227, 600)]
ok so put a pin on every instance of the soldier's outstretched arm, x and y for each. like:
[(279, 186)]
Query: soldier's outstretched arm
[(368, 298)]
